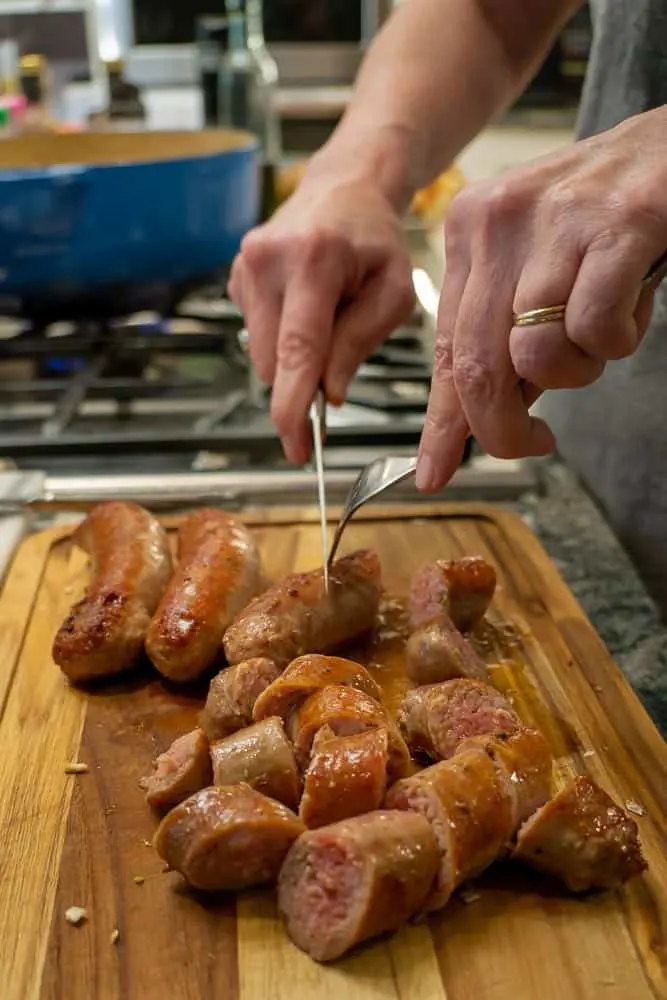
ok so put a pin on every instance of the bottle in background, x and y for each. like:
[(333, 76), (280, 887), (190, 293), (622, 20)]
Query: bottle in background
[(35, 85), (126, 109), (9, 68), (212, 38), (248, 83)]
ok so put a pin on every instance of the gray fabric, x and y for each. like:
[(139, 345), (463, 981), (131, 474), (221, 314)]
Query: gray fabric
[(614, 434)]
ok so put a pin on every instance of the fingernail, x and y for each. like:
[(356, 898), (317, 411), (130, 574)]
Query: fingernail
[(337, 390), (425, 470)]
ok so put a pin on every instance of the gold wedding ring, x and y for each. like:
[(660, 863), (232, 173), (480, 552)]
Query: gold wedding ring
[(549, 314), (554, 314)]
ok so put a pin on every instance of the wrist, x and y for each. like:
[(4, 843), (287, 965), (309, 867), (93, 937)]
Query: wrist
[(380, 156)]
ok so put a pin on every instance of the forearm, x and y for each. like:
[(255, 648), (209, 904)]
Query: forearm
[(436, 74)]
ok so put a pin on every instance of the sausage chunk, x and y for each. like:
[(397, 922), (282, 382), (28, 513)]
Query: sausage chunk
[(217, 575), (583, 838), (438, 652), (347, 776), (261, 756), (343, 884), (232, 695), (467, 803), (437, 718), (306, 675), (347, 711), (297, 616), (462, 588), (104, 632), (179, 772), (525, 765), (227, 838)]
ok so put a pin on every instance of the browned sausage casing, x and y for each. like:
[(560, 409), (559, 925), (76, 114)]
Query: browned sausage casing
[(525, 764), (297, 616), (179, 772), (227, 838), (348, 882), (105, 631), (462, 588), (468, 805), (438, 652), (347, 776), (306, 675), (217, 575), (232, 695), (437, 718), (582, 837), (261, 756), (346, 711)]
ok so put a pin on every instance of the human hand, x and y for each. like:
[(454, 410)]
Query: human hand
[(583, 227), (321, 284)]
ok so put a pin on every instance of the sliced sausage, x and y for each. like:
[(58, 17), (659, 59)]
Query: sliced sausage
[(297, 616), (306, 675), (437, 718), (347, 711), (467, 803), (261, 756), (227, 838), (179, 772), (131, 564), (343, 884), (217, 575), (583, 838), (462, 588), (438, 652), (232, 695), (347, 776), (525, 764)]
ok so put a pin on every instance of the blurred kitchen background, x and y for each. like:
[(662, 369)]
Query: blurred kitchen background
[(154, 399)]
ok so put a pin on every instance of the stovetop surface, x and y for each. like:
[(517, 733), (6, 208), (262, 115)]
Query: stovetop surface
[(178, 391)]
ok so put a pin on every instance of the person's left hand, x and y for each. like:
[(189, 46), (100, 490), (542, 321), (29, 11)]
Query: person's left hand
[(582, 227)]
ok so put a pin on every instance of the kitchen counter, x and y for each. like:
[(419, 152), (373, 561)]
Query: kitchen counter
[(602, 578)]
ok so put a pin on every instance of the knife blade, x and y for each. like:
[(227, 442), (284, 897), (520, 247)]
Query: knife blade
[(318, 419)]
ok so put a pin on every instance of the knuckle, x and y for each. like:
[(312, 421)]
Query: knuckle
[(443, 359), (294, 348), (640, 209), (473, 376), (559, 203), (255, 247), (602, 333), (500, 203), (314, 246)]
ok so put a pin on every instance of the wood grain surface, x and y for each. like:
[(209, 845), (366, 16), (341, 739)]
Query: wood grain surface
[(83, 839)]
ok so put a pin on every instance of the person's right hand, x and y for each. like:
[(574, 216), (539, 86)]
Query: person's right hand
[(320, 285)]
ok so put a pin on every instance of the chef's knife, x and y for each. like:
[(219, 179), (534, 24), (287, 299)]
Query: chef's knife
[(318, 419)]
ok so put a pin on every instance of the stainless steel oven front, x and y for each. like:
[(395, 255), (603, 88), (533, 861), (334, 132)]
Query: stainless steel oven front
[(315, 42)]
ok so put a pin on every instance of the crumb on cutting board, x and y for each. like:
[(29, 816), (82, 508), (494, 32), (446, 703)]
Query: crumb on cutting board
[(115, 935), (76, 915), (76, 767)]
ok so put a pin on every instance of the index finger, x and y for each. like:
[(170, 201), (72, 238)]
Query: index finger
[(304, 336), (488, 387), (445, 426)]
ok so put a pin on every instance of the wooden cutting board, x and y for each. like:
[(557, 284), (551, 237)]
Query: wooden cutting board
[(82, 840)]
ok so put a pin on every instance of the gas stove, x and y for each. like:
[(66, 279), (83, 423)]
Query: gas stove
[(166, 408), (177, 390)]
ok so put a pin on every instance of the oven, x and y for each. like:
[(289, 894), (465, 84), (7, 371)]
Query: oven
[(315, 43)]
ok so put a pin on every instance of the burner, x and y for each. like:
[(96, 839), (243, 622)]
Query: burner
[(176, 382)]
